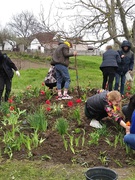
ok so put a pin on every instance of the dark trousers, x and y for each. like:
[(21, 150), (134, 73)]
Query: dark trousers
[(108, 77), (5, 82)]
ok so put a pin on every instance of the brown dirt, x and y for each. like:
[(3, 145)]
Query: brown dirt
[(87, 155)]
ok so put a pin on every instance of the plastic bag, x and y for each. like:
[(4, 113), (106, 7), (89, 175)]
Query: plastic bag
[(128, 76)]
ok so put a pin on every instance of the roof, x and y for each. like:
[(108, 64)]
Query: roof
[(43, 38)]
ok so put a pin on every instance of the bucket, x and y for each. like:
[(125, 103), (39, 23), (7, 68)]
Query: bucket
[(101, 173)]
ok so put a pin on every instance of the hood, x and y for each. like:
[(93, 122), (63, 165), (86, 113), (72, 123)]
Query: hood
[(126, 43), (60, 42)]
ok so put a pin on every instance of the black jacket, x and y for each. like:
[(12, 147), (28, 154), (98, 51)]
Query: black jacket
[(127, 63), (96, 104), (111, 58), (7, 66)]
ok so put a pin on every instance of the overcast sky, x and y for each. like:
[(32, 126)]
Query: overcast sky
[(12, 7)]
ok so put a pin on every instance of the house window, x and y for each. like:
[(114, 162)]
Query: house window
[(39, 48)]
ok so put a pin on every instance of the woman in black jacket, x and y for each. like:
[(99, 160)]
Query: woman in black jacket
[(6, 75), (109, 65)]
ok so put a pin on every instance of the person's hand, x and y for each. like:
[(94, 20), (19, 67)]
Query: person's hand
[(122, 56), (127, 129), (75, 53), (18, 73)]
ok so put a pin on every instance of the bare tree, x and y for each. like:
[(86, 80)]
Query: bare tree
[(23, 25), (103, 21), (4, 36)]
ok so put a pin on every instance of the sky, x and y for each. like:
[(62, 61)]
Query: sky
[(13, 7)]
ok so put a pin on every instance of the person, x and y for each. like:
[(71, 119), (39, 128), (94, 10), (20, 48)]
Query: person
[(50, 79), (126, 64), (109, 64), (129, 138), (6, 75), (104, 104), (61, 61), (129, 108)]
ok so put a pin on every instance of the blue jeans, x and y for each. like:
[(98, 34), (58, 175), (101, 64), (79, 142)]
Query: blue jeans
[(129, 139), (117, 82), (62, 74)]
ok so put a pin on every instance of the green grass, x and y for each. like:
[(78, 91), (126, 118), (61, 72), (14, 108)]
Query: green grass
[(39, 170), (88, 73)]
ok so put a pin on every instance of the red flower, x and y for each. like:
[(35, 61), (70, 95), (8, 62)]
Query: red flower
[(11, 108), (70, 104), (47, 102), (128, 88), (42, 92), (78, 101), (127, 94), (43, 83), (10, 101), (48, 109)]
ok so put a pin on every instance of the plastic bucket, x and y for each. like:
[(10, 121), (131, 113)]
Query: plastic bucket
[(101, 173)]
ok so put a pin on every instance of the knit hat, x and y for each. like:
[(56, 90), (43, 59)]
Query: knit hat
[(69, 44)]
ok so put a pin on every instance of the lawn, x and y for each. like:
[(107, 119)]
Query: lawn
[(48, 161)]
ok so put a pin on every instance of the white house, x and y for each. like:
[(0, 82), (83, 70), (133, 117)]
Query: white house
[(35, 45), (8, 45)]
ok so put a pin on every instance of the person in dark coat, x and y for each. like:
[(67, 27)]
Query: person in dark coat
[(109, 64), (129, 108), (61, 61), (104, 104), (126, 64), (6, 75)]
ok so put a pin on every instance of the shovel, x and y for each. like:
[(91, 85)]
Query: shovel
[(77, 80)]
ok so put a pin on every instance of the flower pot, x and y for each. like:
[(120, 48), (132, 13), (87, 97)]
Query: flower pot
[(101, 173)]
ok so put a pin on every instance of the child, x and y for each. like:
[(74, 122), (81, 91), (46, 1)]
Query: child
[(103, 104), (50, 79)]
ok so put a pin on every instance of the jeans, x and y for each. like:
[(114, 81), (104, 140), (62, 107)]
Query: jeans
[(117, 82), (62, 74), (129, 139)]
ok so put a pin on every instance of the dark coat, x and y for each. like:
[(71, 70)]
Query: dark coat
[(7, 65), (111, 58), (96, 104), (61, 55), (127, 63)]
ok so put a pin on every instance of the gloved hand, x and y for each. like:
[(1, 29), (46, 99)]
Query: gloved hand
[(18, 73)]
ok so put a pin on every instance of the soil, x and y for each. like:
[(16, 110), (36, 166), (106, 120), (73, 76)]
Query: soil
[(53, 150)]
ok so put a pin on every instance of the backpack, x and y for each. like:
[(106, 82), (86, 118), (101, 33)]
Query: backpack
[(51, 76)]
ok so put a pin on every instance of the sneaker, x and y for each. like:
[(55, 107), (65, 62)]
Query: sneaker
[(60, 98), (94, 123), (67, 97)]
